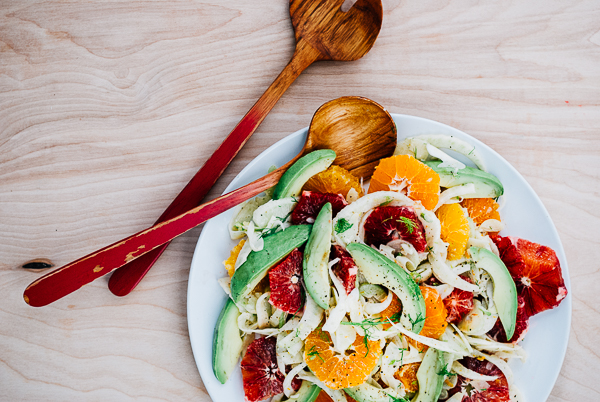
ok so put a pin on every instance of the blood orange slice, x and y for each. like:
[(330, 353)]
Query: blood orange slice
[(336, 370), (345, 269), (336, 180), (495, 391), (407, 174), (284, 281), (311, 203), (458, 304), (385, 224), (521, 326), (261, 377), (536, 272)]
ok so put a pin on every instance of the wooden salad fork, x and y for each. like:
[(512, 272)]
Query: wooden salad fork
[(323, 32)]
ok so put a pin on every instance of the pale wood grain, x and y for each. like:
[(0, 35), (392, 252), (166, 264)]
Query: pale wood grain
[(108, 108)]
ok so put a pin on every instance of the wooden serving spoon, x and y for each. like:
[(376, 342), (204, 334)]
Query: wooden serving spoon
[(323, 32), (360, 132)]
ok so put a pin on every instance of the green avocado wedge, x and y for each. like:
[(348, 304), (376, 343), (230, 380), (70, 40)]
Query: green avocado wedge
[(366, 392), (380, 270), (297, 175), (227, 342), (316, 257), (257, 265), (505, 290), (486, 185), (430, 377)]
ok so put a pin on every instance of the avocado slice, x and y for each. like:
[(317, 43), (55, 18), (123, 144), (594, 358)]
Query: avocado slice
[(366, 392), (316, 256), (486, 185), (380, 270), (308, 392), (257, 265), (430, 382), (227, 342), (293, 179), (505, 290)]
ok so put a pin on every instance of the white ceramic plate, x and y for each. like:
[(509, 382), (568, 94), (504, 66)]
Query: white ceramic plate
[(524, 215)]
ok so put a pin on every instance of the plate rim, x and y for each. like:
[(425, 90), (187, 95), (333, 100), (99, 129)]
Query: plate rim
[(238, 182)]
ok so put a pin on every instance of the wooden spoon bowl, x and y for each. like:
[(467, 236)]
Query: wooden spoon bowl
[(335, 34), (360, 132)]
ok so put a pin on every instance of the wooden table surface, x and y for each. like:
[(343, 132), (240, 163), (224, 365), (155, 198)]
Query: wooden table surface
[(107, 109)]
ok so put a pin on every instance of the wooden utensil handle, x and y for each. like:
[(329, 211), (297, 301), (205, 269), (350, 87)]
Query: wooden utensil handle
[(71, 277), (123, 281)]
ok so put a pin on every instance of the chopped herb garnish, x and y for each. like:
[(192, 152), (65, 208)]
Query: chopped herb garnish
[(342, 225), (314, 353), (444, 371), (387, 201), (408, 224), (419, 318), (486, 312), (399, 399), (469, 388)]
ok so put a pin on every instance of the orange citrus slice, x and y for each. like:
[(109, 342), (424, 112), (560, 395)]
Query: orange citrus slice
[(407, 174), (233, 255), (455, 229), (336, 180), (481, 209), (407, 375), (435, 313), (392, 310), (336, 370)]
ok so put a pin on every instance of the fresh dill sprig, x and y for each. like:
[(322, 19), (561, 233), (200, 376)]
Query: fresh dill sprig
[(399, 399), (444, 371), (409, 224), (315, 353), (420, 317)]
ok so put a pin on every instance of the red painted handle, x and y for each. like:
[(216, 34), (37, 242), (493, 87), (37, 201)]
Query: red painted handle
[(123, 281), (71, 277)]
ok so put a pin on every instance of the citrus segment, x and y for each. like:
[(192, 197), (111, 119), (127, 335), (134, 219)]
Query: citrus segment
[(233, 256), (536, 272), (481, 391), (435, 313), (392, 312), (335, 180), (285, 283), (310, 205), (458, 304), (407, 375), (385, 224), (407, 174), (481, 209), (260, 375), (339, 371), (455, 229), (345, 269)]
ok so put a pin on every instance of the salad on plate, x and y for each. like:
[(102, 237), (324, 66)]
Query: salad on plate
[(396, 288)]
